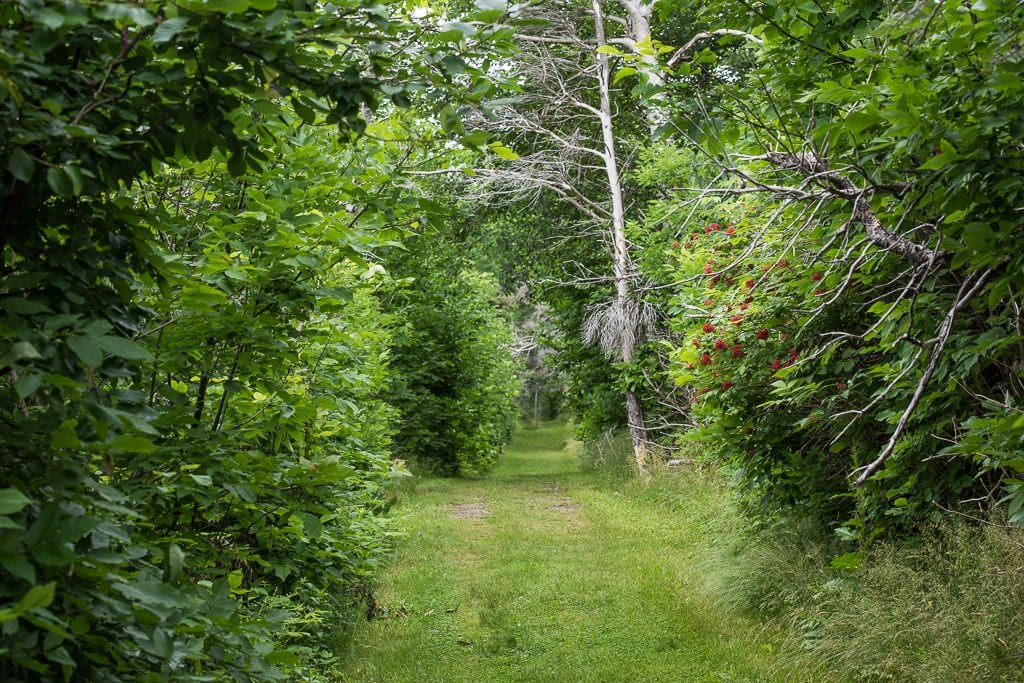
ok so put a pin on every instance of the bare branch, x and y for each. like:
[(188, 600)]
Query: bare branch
[(970, 287), (816, 169), (678, 55)]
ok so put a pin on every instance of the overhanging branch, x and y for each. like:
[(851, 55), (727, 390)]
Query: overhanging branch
[(838, 185)]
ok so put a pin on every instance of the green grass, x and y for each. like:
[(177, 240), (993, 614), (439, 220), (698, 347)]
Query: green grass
[(945, 604), (563, 579)]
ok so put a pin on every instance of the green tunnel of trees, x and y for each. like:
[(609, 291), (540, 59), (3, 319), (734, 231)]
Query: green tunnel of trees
[(259, 257)]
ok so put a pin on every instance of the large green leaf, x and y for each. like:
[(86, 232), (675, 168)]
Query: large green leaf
[(12, 501)]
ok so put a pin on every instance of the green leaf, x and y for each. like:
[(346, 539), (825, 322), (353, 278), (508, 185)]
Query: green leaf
[(947, 156), (169, 28), (610, 50), (175, 561), (454, 65), (236, 164), (123, 348), (23, 306), (202, 479), (21, 568), (87, 349), (21, 165), (65, 436), (222, 6), (449, 118), (59, 181), (37, 597), (266, 107), (23, 351), (131, 443), (503, 151), (303, 111), (125, 12), (152, 593), (848, 561), (283, 658), (74, 175), (624, 72), (312, 526), (49, 18), (27, 385), (488, 16), (859, 53), (11, 501), (475, 139)]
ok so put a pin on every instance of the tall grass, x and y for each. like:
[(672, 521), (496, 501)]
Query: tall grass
[(945, 605), (609, 455)]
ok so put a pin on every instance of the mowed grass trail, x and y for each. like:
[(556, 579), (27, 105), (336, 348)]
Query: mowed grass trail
[(540, 573)]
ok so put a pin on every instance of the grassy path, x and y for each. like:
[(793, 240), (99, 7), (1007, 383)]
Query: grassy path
[(538, 573)]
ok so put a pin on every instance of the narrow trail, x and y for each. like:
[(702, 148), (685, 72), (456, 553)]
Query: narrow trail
[(540, 573)]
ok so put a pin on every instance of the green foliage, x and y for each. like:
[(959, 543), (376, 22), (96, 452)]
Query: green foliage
[(233, 450), (193, 356), (455, 383), (807, 342)]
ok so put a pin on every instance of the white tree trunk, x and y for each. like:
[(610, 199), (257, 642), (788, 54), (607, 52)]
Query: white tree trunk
[(621, 264), (638, 28)]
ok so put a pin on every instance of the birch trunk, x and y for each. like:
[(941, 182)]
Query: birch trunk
[(638, 29), (621, 265)]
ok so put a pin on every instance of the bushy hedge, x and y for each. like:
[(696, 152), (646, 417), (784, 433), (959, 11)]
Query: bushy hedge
[(194, 448), (454, 382)]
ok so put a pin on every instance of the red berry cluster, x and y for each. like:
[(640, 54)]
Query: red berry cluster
[(794, 354)]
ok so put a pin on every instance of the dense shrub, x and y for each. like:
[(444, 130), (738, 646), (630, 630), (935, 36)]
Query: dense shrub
[(844, 296), (454, 381), (235, 450), (191, 428)]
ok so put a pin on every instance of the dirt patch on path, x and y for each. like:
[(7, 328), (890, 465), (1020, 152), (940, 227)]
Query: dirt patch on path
[(470, 511), (566, 506)]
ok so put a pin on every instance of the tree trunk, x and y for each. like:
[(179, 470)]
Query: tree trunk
[(638, 28), (621, 264), (638, 432)]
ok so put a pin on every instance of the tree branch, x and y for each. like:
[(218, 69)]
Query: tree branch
[(817, 169), (678, 55), (968, 290)]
